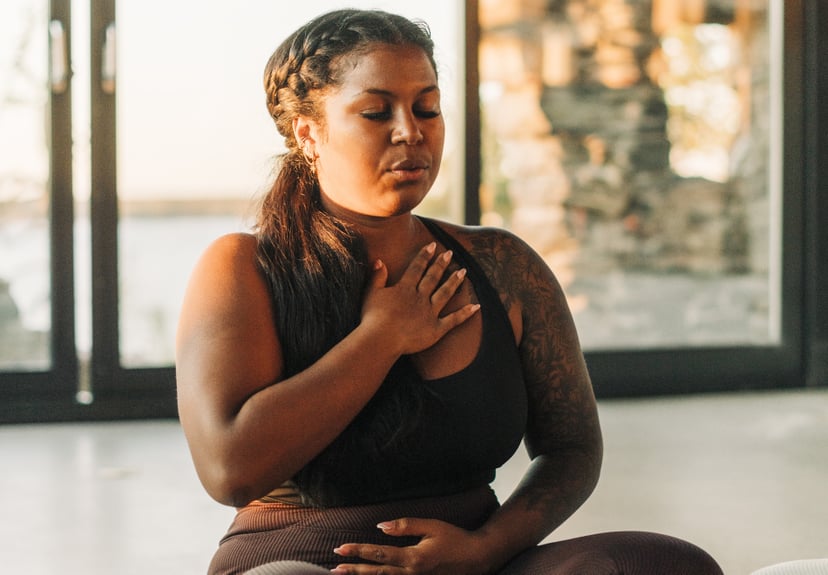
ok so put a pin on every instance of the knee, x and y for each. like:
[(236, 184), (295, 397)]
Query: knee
[(656, 553)]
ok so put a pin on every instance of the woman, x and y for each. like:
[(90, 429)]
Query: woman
[(351, 375)]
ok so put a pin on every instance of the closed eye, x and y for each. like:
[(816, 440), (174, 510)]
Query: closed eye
[(379, 116), (384, 115), (427, 114)]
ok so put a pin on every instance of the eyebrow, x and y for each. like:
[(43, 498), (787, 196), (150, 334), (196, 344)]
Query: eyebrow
[(381, 92)]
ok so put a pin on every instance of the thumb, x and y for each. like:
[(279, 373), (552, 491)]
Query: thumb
[(407, 526), (380, 276)]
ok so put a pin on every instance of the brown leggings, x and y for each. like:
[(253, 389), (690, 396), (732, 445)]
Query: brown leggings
[(273, 538)]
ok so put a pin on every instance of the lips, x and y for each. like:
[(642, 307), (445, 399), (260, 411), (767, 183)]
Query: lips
[(409, 166)]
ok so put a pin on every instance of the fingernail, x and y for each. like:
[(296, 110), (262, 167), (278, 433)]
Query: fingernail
[(447, 255), (338, 551), (384, 526), (461, 273), (431, 247), (339, 571)]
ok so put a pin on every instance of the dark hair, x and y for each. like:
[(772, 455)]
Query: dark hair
[(316, 264)]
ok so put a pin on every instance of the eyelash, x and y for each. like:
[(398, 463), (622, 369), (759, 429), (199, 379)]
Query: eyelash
[(382, 116)]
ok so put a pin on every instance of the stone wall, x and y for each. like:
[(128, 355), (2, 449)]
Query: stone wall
[(576, 135)]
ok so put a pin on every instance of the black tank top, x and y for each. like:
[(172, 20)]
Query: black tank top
[(471, 421)]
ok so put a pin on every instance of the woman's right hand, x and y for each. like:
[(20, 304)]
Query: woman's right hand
[(411, 311), (248, 426)]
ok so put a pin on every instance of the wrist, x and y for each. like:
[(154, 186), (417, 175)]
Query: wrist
[(375, 333), (384, 347), (493, 553)]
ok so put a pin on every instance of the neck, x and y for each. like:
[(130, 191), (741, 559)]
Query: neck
[(393, 239)]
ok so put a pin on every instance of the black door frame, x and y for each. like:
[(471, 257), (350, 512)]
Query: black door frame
[(118, 393), (815, 136)]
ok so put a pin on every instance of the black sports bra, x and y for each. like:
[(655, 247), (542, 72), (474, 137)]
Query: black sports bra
[(471, 422)]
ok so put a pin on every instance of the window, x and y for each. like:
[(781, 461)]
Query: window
[(25, 299), (646, 151), (652, 152), (196, 146), (114, 178), (637, 147)]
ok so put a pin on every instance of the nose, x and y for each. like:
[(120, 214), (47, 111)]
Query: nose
[(406, 130)]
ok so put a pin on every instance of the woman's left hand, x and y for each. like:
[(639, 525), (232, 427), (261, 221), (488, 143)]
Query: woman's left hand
[(443, 550)]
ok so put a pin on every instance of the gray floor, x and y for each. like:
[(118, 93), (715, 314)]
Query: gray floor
[(743, 475)]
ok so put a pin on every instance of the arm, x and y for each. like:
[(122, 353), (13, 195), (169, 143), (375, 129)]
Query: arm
[(563, 435), (248, 428)]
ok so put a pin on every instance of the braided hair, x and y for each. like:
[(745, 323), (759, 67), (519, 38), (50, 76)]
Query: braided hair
[(315, 264)]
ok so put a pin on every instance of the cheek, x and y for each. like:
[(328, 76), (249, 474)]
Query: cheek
[(344, 152), (359, 144), (437, 135), (437, 149)]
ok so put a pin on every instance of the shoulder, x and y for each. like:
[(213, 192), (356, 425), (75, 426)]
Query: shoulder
[(227, 277), (225, 337), (522, 278), (236, 247), (228, 258), (520, 274), (482, 241), (500, 252)]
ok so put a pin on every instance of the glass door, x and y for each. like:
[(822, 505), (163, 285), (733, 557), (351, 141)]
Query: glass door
[(38, 365), (651, 152), (105, 205), (194, 145)]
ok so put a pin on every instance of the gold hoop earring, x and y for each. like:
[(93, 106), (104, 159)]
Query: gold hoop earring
[(307, 153)]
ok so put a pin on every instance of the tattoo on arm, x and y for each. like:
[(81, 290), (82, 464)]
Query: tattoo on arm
[(562, 413)]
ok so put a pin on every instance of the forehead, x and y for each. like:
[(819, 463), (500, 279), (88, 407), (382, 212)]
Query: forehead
[(388, 68)]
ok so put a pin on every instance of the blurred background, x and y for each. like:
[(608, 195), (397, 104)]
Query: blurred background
[(667, 159)]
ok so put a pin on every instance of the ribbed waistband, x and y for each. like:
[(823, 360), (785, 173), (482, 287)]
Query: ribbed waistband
[(263, 532)]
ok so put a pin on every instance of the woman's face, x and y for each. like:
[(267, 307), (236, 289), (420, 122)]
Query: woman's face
[(379, 150)]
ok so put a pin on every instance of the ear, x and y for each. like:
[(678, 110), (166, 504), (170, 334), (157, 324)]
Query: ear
[(304, 130)]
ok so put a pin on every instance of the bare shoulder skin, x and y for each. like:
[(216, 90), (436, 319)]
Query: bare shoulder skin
[(226, 345), (227, 314)]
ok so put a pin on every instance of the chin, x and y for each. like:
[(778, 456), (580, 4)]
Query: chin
[(406, 207), (408, 199)]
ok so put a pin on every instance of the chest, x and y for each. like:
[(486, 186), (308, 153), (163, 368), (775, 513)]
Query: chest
[(459, 347)]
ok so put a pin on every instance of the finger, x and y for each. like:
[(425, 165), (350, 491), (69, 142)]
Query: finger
[(380, 554), (435, 272), (449, 321), (380, 275), (419, 264), (408, 526), (449, 287), (360, 569)]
